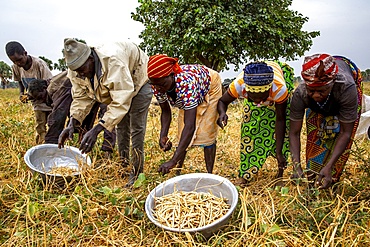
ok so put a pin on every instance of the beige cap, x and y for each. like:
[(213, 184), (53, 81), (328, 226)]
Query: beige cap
[(75, 53)]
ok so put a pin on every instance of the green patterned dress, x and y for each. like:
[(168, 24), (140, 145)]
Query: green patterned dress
[(258, 131)]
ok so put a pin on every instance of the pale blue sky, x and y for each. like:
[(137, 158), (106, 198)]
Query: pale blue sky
[(42, 25)]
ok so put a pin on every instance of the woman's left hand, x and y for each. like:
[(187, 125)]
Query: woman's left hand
[(222, 120), (325, 178), (165, 143), (166, 167)]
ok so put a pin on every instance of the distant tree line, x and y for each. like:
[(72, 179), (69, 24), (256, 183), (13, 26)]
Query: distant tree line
[(366, 75)]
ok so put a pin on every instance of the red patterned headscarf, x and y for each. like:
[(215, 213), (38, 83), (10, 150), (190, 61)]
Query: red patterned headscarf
[(161, 66), (319, 70)]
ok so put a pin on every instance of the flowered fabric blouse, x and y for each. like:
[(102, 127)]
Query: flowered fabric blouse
[(192, 84)]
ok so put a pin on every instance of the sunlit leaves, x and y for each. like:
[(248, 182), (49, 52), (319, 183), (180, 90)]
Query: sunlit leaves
[(221, 32)]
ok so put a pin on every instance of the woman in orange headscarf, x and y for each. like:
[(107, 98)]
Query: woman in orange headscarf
[(331, 97), (195, 90)]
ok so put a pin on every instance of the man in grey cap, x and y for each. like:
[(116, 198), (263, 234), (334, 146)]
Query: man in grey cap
[(114, 74)]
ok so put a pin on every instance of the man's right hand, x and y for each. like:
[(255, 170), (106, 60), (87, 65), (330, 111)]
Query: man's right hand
[(23, 98), (66, 134), (165, 143)]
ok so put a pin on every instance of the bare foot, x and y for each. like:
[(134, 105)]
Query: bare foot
[(241, 182), (280, 172), (297, 175), (279, 182)]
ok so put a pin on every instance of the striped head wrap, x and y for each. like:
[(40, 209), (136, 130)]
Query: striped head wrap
[(258, 77), (319, 70), (161, 65)]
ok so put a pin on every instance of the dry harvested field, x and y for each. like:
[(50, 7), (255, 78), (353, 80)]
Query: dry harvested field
[(99, 211)]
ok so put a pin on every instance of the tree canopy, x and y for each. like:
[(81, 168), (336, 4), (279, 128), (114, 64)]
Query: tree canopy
[(48, 62), (5, 71), (61, 65), (221, 32), (366, 75)]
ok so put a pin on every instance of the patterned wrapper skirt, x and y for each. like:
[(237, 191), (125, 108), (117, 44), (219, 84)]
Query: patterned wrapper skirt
[(258, 138)]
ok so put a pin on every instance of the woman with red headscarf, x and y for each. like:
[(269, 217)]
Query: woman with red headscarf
[(195, 90), (331, 98)]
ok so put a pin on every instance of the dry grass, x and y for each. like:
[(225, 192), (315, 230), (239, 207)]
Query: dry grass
[(99, 211)]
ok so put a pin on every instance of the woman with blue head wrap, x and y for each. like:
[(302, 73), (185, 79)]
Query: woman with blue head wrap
[(265, 88)]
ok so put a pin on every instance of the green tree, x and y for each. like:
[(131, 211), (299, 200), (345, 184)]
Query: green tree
[(227, 82), (61, 65), (366, 75), (5, 70), (220, 32), (48, 62), (297, 79), (5, 74)]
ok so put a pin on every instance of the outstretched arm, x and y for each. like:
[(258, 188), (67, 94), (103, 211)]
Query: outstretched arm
[(166, 117), (280, 127), (324, 179), (185, 139), (295, 147), (187, 133), (222, 105)]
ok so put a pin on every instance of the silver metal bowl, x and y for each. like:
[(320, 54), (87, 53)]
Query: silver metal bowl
[(199, 182), (41, 159)]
